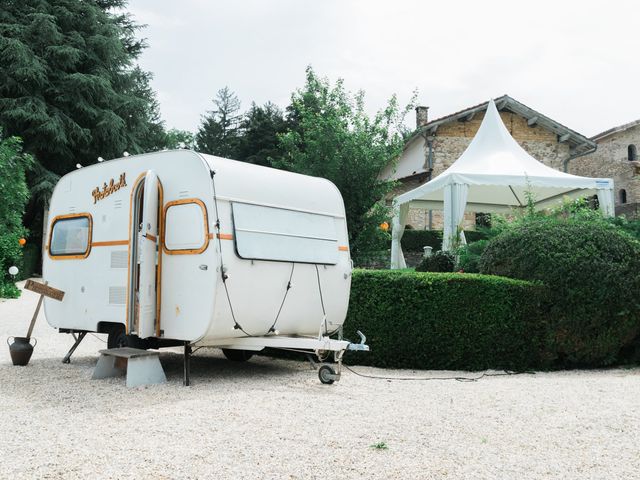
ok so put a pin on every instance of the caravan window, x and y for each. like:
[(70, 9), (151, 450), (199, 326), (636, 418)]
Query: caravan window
[(71, 236), (186, 229), (269, 233)]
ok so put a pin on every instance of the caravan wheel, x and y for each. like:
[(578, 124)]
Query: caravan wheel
[(118, 339), (237, 355), (327, 374)]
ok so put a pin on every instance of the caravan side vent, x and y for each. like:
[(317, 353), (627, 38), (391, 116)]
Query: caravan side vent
[(119, 259), (117, 295), (183, 194), (117, 204)]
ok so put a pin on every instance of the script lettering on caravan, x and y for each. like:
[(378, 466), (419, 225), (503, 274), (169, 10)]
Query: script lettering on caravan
[(108, 189)]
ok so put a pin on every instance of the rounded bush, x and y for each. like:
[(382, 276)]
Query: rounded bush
[(592, 270), (437, 262)]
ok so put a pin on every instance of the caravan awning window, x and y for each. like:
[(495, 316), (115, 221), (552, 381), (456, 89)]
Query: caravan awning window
[(70, 236), (268, 233)]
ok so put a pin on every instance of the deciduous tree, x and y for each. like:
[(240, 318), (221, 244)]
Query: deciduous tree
[(333, 137)]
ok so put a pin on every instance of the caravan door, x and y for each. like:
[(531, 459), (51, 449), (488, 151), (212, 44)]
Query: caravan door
[(148, 249), (143, 269)]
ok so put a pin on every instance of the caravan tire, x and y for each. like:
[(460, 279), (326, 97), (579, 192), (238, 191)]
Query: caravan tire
[(118, 338), (237, 355)]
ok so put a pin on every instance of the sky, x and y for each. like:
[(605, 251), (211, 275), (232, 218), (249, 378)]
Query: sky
[(577, 62)]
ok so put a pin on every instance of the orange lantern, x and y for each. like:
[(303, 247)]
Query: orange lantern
[(384, 226), (22, 242)]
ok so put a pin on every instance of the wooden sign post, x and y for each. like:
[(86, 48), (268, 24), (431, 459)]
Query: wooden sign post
[(45, 291)]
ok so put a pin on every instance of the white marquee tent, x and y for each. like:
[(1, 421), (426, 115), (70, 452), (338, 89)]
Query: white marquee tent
[(494, 174)]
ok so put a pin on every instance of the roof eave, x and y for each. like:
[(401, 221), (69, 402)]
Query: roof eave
[(505, 102)]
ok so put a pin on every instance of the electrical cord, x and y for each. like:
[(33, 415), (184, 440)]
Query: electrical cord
[(324, 312), (272, 328), (237, 325), (457, 378), (101, 339)]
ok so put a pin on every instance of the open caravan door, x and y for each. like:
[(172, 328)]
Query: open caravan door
[(147, 255)]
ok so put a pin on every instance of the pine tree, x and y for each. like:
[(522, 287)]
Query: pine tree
[(260, 129), (68, 84), (70, 89), (220, 133)]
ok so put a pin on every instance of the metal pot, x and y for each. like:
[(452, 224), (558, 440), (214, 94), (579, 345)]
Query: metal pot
[(21, 349)]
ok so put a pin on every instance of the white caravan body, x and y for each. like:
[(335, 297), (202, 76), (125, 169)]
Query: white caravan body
[(189, 247)]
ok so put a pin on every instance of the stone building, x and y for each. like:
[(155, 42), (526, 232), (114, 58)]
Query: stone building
[(436, 144), (616, 157)]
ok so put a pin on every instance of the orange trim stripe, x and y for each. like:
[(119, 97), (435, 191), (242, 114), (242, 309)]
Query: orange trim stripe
[(110, 243), (343, 248), (148, 236), (225, 236)]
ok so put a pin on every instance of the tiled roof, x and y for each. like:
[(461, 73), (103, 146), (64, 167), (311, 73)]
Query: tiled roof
[(613, 130)]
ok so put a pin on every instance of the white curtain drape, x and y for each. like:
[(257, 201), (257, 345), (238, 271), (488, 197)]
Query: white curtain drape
[(455, 202), (398, 223), (606, 200)]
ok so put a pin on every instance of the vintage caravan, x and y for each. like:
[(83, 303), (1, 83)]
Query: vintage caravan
[(180, 248)]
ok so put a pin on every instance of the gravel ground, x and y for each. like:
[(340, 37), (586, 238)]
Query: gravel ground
[(273, 419)]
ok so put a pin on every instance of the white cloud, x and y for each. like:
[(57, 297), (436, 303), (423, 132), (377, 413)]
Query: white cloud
[(573, 61)]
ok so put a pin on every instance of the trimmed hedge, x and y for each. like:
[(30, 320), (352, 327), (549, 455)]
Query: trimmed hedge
[(445, 320), (592, 270)]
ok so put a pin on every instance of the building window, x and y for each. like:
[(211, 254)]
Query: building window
[(623, 196), (483, 220), (632, 153)]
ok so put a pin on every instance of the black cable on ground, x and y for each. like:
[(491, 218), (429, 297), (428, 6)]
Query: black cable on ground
[(457, 378)]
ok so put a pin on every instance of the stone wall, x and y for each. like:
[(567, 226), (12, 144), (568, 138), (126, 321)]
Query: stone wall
[(419, 219), (610, 160)]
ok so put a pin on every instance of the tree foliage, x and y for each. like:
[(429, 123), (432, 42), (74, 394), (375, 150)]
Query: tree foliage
[(68, 85), (13, 198), (219, 133), (260, 129), (177, 139), (331, 136)]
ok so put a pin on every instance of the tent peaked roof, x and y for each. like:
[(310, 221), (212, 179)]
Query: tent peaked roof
[(500, 174), (493, 150), (494, 174)]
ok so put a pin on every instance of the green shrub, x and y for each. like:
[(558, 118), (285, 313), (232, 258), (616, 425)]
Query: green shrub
[(632, 227), (469, 256), (416, 240), (437, 262), (30, 263), (592, 271), (13, 198), (445, 320)]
